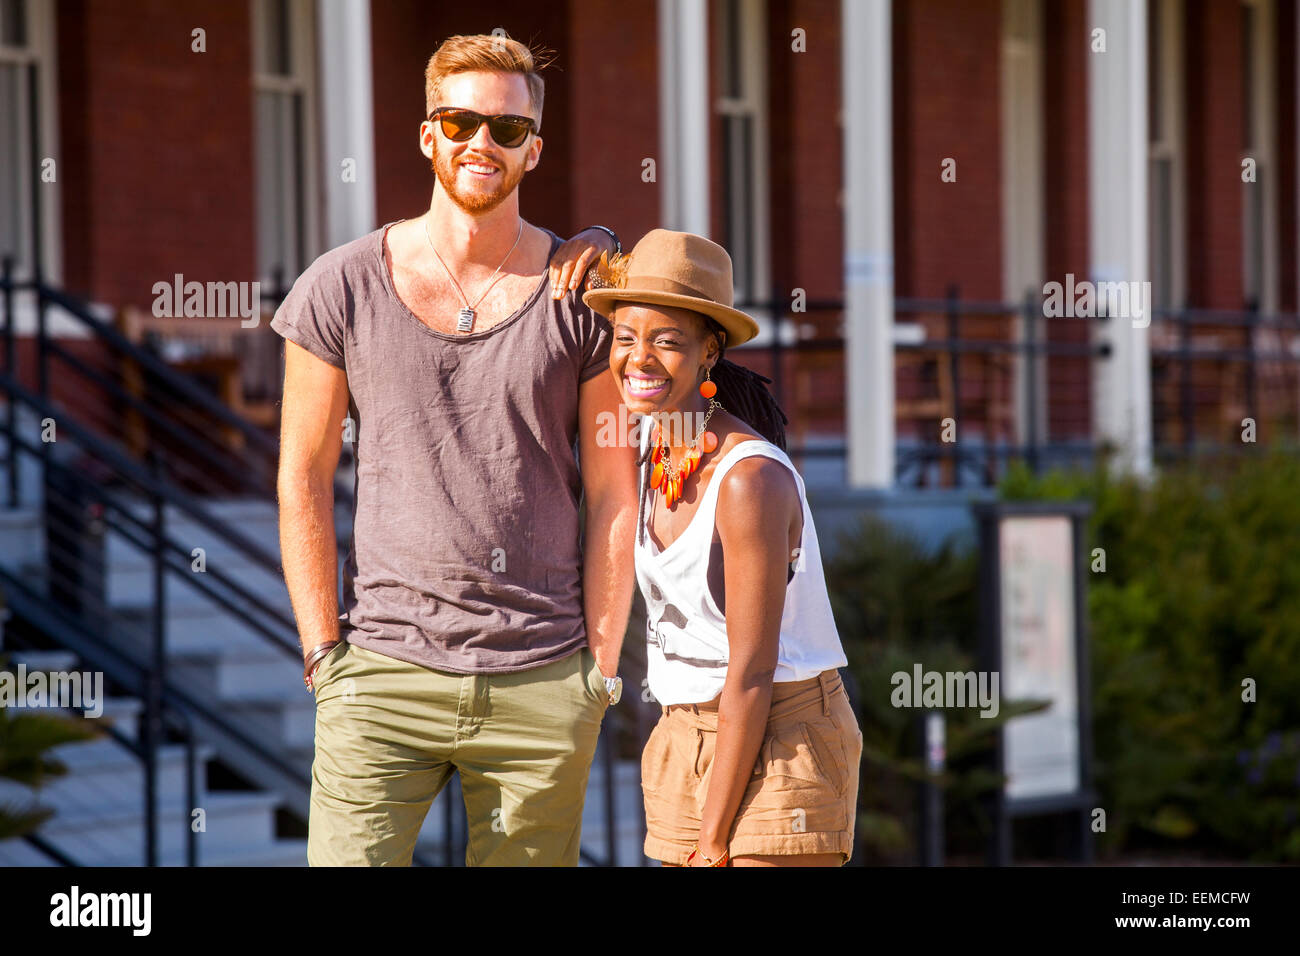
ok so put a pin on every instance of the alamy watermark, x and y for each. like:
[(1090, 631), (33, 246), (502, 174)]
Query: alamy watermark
[(129, 910), (181, 299), (1087, 300), (624, 428), (946, 689), (67, 690)]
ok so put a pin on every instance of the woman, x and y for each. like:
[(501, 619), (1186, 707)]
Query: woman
[(754, 760)]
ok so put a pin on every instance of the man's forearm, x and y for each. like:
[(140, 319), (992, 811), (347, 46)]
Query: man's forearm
[(309, 556), (607, 581)]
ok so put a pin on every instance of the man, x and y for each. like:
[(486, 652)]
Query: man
[(476, 635)]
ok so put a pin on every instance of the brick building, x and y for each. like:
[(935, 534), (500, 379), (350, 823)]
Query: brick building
[(892, 179)]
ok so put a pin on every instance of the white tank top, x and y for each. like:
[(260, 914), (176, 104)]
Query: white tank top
[(686, 633)]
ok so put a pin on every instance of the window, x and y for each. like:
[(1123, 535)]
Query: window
[(1259, 223), (285, 131), (1165, 209), (741, 62), (27, 137)]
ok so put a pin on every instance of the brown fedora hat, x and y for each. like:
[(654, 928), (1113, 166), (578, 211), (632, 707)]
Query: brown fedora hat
[(673, 268)]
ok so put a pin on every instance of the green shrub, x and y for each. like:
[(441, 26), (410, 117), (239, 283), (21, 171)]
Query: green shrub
[(1201, 592)]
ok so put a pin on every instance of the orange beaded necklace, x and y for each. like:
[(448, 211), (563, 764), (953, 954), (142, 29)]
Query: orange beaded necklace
[(669, 478)]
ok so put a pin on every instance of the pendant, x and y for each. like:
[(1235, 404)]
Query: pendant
[(465, 320)]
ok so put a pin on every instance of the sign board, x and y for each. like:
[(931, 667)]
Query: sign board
[(1036, 568), (1034, 635)]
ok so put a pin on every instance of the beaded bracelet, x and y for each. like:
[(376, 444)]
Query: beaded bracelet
[(720, 861)]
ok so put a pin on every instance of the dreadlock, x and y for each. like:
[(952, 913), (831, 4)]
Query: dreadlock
[(744, 393)]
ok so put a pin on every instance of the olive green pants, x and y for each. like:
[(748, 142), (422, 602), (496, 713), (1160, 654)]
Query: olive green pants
[(390, 733)]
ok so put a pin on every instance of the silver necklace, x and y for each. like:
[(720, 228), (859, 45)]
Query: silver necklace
[(465, 317)]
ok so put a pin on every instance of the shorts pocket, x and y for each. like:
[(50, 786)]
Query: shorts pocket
[(826, 751), (791, 762)]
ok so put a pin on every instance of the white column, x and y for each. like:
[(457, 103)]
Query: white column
[(1023, 217), (1117, 222), (682, 168), (347, 118), (868, 241)]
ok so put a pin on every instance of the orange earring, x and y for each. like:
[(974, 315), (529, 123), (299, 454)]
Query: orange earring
[(707, 388)]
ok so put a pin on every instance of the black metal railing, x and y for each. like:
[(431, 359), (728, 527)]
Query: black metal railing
[(1178, 429), (949, 317), (1187, 342)]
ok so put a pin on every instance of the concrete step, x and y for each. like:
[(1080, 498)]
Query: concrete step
[(289, 720), (199, 632), (128, 587), (29, 466), (123, 714), (247, 677), (22, 538), (231, 818), (56, 660), (281, 852), (252, 518), (102, 774), (130, 578)]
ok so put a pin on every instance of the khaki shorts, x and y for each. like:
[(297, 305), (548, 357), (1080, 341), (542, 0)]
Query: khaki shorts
[(804, 792), (389, 734)]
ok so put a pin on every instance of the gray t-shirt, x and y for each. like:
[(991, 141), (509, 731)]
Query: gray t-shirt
[(465, 552)]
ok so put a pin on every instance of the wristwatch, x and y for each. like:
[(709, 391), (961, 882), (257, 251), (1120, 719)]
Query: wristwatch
[(615, 687)]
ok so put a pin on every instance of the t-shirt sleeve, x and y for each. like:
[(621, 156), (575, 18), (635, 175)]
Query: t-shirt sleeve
[(311, 318), (597, 337)]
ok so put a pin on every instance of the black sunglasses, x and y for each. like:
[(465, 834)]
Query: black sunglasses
[(460, 125)]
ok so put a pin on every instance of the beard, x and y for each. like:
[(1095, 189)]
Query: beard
[(474, 200)]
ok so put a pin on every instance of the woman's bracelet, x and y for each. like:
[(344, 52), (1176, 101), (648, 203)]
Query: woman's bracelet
[(708, 861)]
